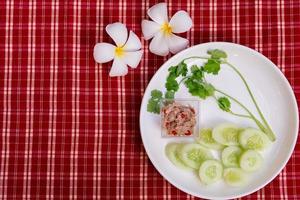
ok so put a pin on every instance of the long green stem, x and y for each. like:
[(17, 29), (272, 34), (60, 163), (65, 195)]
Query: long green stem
[(267, 129), (233, 113), (196, 57), (183, 79), (258, 123), (270, 132), (240, 115)]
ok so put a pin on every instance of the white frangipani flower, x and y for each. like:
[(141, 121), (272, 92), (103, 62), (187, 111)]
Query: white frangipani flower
[(162, 30), (126, 52)]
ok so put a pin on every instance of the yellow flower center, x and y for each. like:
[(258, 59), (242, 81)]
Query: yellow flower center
[(119, 51), (166, 29)]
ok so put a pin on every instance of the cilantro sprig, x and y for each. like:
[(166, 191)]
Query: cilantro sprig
[(153, 105), (194, 80)]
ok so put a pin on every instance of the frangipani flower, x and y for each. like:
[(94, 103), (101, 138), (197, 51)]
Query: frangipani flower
[(162, 30), (126, 52)]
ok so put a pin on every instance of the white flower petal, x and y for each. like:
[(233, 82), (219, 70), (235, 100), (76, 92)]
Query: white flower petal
[(133, 43), (159, 45), (149, 28), (176, 43), (104, 52), (118, 32), (119, 68), (181, 22), (159, 13), (133, 58)]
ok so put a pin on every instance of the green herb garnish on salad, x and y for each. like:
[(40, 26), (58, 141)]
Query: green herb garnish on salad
[(195, 82), (154, 102)]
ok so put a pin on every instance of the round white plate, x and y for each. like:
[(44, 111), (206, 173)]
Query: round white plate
[(274, 95)]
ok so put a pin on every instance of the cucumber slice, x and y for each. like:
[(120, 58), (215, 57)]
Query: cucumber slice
[(255, 139), (205, 138), (210, 171), (226, 134), (235, 177), (171, 151), (194, 154), (250, 160), (230, 156)]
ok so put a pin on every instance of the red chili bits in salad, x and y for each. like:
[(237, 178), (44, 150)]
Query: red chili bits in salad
[(178, 119)]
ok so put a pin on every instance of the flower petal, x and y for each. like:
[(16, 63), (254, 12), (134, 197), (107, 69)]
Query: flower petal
[(119, 68), (104, 52), (118, 32), (133, 43), (149, 28), (176, 43), (181, 22), (133, 58), (159, 45), (159, 13)]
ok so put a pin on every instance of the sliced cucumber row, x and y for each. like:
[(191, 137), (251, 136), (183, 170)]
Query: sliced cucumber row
[(239, 153), (230, 135)]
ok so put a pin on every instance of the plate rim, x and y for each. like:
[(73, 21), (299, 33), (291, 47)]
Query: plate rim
[(295, 107)]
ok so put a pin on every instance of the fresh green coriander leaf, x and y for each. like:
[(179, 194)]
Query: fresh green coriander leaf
[(156, 94), (171, 84), (153, 106), (169, 95), (198, 88), (181, 69), (209, 89), (217, 53), (224, 103), (194, 68), (212, 66), (172, 70), (198, 74)]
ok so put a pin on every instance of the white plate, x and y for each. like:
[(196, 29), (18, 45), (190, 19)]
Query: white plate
[(274, 95)]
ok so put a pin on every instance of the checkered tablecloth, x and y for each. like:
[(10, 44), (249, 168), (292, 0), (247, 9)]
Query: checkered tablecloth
[(68, 130)]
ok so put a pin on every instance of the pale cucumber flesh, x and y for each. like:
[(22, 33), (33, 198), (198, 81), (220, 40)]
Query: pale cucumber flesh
[(210, 171), (194, 154), (171, 151), (205, 138), (230, 156), (226, 134), (235, 177), (251, 161), (253, 139)]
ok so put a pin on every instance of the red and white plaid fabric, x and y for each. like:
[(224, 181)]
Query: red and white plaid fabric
[(68, 130)]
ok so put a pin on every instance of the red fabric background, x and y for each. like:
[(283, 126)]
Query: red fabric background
[(70, 131)]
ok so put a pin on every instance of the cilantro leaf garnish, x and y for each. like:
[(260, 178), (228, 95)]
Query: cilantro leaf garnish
[(156, 94), (171, 84), (197, 73), (169, 95), (199, 88), (224, 104), (212, 66), (217, 54), (181, 69), (153, 105)]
